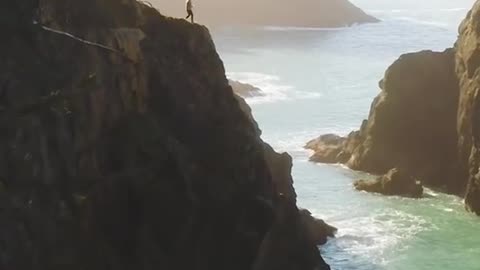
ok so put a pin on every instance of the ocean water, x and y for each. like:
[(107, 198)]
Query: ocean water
[(319, 81)]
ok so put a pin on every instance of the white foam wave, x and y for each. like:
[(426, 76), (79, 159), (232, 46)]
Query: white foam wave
[(429, 23), (452, 200), (445, 18), (294, 145), (293, 28), (431, 192), (453, 9), (374, 235), (306, 95), (294, 142), (423, 10), (271, 86)]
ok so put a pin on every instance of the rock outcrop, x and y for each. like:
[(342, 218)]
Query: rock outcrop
[(468, 67), (318, 13), (395, 182), (244, 89), (317, 231), (328, 148), (123, 147), (412, 124)]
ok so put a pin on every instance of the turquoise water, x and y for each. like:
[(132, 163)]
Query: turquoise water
[(320, 81)]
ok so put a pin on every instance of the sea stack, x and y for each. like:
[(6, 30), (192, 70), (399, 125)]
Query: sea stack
[(412, 124)]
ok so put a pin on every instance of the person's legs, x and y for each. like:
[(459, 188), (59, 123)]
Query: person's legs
[(191, 12), (190, 15)]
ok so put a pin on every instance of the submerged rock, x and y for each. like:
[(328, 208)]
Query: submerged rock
[(327, 148), (245, 90), (395, 182)]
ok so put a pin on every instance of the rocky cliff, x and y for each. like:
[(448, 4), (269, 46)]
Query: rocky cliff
[(424, 122), (123, 147), (308, 13), (412, 123), (467, 67)]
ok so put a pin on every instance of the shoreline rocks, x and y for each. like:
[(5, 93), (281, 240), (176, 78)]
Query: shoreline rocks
[(319, 231), (245, 90), (411, 126), (394, 183), (327, 148)]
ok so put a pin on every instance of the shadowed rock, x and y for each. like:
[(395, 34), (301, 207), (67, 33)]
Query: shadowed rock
[(133, 155), (318, 230), (280, 242), (395, 182), (468, 71), (245, 90), (280, 166), (412, 124), (327, 148)]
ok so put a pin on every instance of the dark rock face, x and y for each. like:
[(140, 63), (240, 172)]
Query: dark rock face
[(281, 169), (245, 90), (328, 148), (412, 124), (318, 230), (395, 182), (418, 102), (467, 66), (315, 230), (134, 154), (281, 249)]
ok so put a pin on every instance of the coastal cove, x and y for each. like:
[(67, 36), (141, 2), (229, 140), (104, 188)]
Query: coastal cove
[(320, 81)]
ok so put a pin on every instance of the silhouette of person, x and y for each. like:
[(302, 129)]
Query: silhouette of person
[(189, 7)]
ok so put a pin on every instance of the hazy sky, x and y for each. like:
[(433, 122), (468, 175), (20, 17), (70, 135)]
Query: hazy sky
[(304, 13), (407, 4)]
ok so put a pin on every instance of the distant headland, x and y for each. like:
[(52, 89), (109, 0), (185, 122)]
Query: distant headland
[(299, 13)]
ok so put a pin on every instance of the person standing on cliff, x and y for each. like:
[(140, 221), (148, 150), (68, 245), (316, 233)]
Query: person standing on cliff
[(189, 7)]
